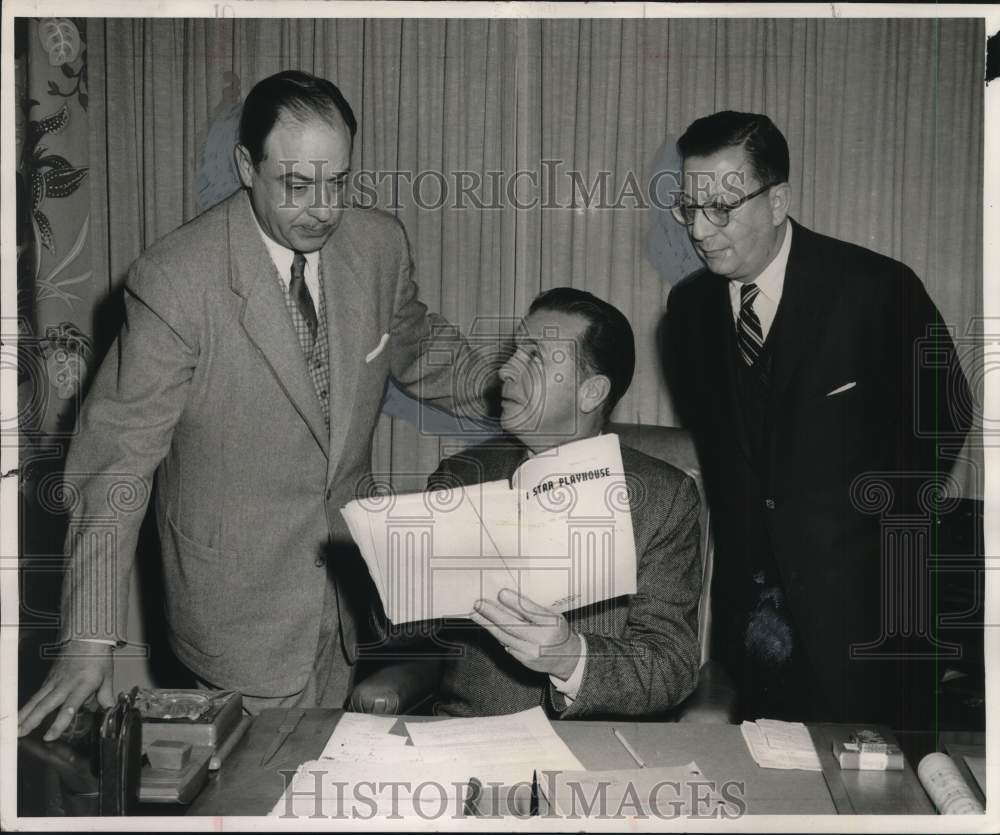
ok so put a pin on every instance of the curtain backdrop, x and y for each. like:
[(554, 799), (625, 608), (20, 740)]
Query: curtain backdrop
[(884, 120)]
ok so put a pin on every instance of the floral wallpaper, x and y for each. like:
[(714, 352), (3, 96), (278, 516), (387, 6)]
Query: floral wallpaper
[(55, 287), (57, 294)]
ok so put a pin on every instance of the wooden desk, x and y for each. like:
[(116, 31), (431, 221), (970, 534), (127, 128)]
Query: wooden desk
[(243, 787)]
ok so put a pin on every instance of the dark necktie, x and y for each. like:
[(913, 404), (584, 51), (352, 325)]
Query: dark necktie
[(749, 334), (300, 293)]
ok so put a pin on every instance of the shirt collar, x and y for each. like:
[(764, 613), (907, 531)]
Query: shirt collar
[(281, 255), (531, 454), (772, 280)]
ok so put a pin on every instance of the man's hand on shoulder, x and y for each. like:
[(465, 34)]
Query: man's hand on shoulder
[(83, 669), (539, 638)]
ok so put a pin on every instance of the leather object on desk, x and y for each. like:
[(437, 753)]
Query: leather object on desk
[(120, 740), (408, 686)]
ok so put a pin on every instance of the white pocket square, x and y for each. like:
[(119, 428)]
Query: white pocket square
[(841, 389), (378, 348)]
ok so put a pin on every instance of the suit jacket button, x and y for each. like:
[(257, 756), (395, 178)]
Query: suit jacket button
[(769, 504), (320, 562), (329, 494)]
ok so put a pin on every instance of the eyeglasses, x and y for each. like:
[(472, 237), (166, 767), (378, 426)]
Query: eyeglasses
[(717, 213)]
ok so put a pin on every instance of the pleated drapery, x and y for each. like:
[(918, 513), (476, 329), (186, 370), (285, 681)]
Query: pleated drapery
[(884, 120)]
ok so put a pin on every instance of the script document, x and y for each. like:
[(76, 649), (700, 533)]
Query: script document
[(560, 533)]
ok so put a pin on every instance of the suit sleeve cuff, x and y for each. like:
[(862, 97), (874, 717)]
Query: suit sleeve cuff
[(570, 688)]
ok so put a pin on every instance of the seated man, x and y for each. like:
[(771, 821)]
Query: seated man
[(635, 655)]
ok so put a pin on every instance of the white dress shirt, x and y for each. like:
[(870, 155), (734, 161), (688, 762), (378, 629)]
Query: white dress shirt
[(771, 282), (282, 257), (571, 687)]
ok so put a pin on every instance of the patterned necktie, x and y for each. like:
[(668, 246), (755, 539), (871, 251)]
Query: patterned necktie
[(749, 335), (300, 294)]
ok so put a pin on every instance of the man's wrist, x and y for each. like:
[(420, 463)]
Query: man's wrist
[(96, 646), (568, 659)]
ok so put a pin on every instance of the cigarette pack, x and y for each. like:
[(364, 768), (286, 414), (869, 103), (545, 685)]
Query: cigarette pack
[(867, 750)]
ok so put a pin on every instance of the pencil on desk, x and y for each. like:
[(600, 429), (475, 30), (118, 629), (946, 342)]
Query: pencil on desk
[(629, 748), (230, 742)]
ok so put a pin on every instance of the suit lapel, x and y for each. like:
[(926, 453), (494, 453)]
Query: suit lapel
[(350, 301), (804, 298), (723, 348), (265, 318)]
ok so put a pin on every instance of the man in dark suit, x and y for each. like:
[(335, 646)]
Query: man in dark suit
[(248, 377), (793, 359), (635, 655)]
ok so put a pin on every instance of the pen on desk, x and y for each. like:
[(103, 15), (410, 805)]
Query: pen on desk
[(629, 748)]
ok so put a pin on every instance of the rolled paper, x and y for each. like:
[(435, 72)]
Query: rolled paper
[(947, 788)]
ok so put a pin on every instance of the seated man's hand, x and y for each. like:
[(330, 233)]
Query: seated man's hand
[(83, 669), (539, 638)]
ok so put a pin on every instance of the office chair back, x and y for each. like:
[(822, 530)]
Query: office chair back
[(675, 447)]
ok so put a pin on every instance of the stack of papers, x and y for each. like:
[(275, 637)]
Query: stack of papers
[(502, 749), (366, 771), (775, 744), (366, 738)]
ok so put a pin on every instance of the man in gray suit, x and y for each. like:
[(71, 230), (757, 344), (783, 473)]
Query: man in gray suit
[(248, 378), (635, 655)]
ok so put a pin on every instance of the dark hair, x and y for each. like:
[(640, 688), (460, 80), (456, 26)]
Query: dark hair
[(294, 93), (607, 346), (764, 144)]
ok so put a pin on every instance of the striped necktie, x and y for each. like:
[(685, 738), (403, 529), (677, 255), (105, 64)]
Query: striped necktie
[(749, 335)]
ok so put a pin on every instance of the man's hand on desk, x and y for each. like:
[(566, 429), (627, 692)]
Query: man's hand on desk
[(83, 669), (539, 638)]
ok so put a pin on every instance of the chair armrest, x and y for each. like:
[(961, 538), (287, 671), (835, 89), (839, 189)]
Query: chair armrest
[(397, 688), (713, 700)]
